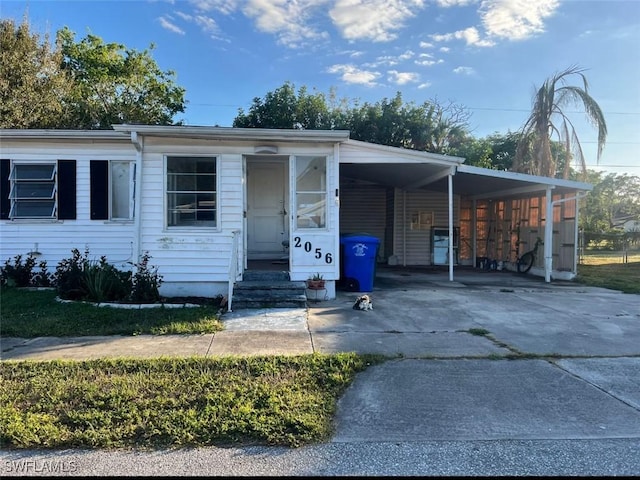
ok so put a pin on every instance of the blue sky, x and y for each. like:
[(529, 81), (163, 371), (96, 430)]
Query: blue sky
[(487, 55)]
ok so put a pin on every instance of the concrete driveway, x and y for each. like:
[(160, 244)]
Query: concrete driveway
[(495, 374)]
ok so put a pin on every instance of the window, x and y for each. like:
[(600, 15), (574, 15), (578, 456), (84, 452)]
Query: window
[(33, 190), (311, 192), (37, 189), (112, 189), (191, 191)]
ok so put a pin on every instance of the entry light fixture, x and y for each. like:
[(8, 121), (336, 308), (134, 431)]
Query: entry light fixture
[(266, 149)]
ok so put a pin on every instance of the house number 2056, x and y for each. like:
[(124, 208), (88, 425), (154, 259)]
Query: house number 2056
[(309, 248)]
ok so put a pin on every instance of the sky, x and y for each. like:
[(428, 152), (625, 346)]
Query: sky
[(488, 56)]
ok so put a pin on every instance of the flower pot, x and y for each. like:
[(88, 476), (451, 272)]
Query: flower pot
[(315, 284)]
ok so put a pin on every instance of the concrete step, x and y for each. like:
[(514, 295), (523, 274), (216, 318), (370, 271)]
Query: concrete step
[(271, 292), (265, 276)]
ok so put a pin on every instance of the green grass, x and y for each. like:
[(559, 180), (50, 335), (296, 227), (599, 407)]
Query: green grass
[(30, 314), (608, 271), (162, 403)]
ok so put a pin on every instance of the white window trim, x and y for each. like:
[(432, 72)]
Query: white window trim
[(132, 192), (191, 228), (295, 195)]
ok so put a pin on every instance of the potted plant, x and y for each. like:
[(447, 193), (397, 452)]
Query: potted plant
[(315, 282)]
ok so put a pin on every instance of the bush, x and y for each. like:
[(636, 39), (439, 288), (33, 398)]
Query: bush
[(18, 274), (146, 282), (104, 282), (42, 278), (78, 278), (69, 276)]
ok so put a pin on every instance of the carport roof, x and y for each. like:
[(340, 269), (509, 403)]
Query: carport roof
[(411, 170)]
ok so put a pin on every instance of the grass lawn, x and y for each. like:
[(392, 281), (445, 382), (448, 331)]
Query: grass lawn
[(30, 314), (275, 400), (609, 271)]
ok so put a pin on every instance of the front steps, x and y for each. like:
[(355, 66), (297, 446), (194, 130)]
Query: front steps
[(268, 289)]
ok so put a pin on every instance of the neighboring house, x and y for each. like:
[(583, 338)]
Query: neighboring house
[(206, 202)]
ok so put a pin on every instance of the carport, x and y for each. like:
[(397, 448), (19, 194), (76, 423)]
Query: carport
[(495, 211)]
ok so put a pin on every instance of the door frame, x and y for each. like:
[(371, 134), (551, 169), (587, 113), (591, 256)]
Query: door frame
[(247, 160)]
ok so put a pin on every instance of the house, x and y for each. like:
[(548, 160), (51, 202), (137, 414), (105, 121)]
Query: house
[(209, 203)]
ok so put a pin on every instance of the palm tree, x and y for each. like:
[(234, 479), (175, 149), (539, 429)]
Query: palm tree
[(548, 120)]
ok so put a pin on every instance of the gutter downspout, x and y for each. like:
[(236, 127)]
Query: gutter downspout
[(138, 143)]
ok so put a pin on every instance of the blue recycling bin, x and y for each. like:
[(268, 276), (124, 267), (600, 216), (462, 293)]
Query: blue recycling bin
[(359, 254)]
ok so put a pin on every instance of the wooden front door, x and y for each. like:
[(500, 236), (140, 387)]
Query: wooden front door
[(267, 208)]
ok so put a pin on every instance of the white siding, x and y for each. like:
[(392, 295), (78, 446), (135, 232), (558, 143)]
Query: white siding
[(56, 239), (197, 255)]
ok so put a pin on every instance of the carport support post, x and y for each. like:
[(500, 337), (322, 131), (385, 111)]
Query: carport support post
[(548, 238), (451, 230)]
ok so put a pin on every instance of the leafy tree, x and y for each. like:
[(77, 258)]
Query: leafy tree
[(283, 108), (33, 85), (432, 126), (114, 84), (613, 196), (548, 120)]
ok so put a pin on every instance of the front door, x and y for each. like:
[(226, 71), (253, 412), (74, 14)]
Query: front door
[(267, 204)]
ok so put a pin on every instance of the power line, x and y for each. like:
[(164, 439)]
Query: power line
[(469, 108)]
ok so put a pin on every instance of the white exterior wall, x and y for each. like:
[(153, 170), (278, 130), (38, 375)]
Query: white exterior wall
[(303, 263), (56, 238), (192, 261), (195, 261)]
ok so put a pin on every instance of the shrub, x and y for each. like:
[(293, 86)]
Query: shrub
[(104, 282), (18, 274), (69, 276), (146, 281), (42, 278)]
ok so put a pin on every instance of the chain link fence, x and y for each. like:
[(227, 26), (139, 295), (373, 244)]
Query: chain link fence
[(623, 247)]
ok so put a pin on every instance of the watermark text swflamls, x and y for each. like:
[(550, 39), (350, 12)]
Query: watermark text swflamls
[(39, 466)]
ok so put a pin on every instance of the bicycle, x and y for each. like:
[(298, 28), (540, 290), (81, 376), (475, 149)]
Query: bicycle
[(526, 261)]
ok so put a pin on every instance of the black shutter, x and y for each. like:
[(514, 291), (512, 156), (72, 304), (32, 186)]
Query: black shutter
[(66, 189), (5, 188), (99, 173)]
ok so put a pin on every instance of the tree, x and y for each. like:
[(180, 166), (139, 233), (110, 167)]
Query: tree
[(432, 126), (114, 84), (283, 108), (33, 86), (614, 196), (548, 120)]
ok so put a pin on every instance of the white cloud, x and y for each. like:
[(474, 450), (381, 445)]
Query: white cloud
[(428, 63), (424, 85), (207, 24), (387, 60), (287, 20), (464, 70), (516, 19), (222, 6), (426, 45), (469, 35), (374, 20), (406, 55), (444, 49), (166, 23), (352, 74), (453, 3), (402, 78)]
